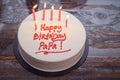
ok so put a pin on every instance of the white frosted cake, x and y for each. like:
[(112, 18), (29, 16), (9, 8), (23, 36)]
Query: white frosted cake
[(53, 46)]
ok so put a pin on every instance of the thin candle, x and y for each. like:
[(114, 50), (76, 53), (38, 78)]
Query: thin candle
[(66, 22), (59, 13), (33, 12), (34, 16), (51, 13), (43, 16)]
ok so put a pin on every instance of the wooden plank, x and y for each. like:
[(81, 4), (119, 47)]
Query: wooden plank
[(94, 68)]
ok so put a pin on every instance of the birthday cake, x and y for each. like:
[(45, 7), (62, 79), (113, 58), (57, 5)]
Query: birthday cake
[(49, 44)]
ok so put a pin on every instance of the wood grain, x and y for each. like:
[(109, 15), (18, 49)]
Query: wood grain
[(107, 68)]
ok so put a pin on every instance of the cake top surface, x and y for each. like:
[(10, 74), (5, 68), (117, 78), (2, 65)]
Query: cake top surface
[(53, 41)]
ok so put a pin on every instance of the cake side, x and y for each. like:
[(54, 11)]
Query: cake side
[(51, 66)]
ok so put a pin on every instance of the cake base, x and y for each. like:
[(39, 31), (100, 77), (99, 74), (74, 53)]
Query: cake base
[(44, 73)]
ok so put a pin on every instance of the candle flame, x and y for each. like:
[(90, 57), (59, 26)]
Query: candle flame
[(35, 6), (60, 7), (45, 5), (36, 21), (52, 7), (67, 16)]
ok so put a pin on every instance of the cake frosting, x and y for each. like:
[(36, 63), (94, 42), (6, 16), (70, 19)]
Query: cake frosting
[(53, 46)]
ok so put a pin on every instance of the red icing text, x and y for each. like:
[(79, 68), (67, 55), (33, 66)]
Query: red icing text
[(51, 38)]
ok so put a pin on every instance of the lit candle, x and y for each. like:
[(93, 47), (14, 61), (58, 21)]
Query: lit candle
[(34, 16), (59, 13), (33, 12), (66, 22), (51, 13), (43, 16)]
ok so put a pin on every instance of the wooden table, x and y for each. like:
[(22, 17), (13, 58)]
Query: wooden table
[(95, 68)]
